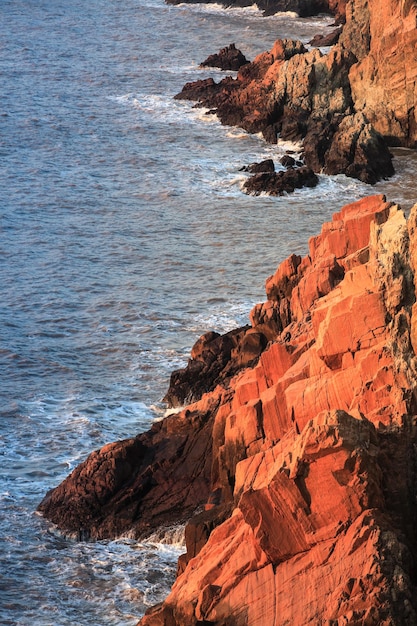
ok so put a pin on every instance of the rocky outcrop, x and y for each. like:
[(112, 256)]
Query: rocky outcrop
[(347, 106), (302, 96), (229, 58), (138, 485), (266, 180), (297, 471), (278, 183)]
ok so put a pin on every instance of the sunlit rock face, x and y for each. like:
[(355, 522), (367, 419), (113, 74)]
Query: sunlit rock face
[(383, 36), (314, 447), (295, 464)]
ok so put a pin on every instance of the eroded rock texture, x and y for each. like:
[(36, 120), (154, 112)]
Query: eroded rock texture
[(383, 36), (300, 463), (315, 447)]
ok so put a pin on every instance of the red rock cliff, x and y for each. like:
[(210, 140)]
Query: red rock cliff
[(316, 444), (383, 36), (301, 458)]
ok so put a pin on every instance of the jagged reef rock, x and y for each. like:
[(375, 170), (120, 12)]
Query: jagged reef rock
[(266, 180), (298, 471), (303, 96)]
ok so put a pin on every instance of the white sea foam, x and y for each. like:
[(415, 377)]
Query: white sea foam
[(168, 540), (214, 8), (286, 14), (172, 411)]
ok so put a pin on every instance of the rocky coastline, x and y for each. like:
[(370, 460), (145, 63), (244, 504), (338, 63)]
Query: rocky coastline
[(292, 456), (346, 107), (294, 462)]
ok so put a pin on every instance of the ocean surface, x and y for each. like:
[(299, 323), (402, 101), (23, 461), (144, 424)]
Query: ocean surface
[(124, 235)]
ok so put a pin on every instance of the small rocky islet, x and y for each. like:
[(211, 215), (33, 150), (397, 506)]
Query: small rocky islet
[(292, 462)]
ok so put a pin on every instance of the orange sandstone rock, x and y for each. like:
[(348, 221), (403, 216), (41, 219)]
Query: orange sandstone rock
[(310, 442), (297, 467)]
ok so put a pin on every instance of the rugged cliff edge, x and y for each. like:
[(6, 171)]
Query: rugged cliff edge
[(295, 463), (346, 107)]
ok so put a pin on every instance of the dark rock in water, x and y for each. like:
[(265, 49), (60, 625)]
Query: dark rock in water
[(326, 40), (229, 58), (278, 183), (263, 166), (198, 90)]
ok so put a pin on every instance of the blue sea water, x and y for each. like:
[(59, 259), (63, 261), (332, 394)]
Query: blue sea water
[(124, 235)]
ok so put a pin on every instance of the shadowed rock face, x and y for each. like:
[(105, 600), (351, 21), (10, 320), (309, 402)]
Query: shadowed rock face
[(299, 470), (138, 485)]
